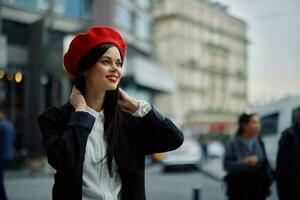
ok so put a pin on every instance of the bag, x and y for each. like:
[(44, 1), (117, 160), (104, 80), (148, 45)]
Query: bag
[(248, 185), (237, 184), (265, 179)]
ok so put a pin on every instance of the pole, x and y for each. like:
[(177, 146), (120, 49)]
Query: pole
[(197, 193)]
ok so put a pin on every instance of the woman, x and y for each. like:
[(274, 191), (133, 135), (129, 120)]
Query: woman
[(97, 141), (249, 175)]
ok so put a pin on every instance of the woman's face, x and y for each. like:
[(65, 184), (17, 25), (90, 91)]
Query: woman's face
[(106, 73), (253, 126)]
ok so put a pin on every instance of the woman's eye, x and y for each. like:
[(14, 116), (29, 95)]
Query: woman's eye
[(105, 62), (118, 64)]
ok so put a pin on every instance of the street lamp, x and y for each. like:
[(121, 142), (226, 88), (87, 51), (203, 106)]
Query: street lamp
[(2, 73), (18, 77)]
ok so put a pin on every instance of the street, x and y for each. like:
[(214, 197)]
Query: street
[(179, 185), (159, 186), (29, 188)]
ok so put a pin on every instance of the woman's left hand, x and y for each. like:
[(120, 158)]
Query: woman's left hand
[(127, 103)]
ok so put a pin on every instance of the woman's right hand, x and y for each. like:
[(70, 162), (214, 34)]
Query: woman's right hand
[(251, 161), (77, 100)]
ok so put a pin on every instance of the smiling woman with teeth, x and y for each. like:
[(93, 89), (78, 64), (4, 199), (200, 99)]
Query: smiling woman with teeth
[(98, 140)]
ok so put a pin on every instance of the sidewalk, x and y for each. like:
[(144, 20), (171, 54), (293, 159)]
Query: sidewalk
[(214, 169), (26, 172)]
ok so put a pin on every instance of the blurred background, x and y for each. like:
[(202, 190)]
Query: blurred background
[(200, 62)]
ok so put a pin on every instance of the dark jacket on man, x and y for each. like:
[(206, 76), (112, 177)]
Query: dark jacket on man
[(65, 134), (288, 165), (7, 137)]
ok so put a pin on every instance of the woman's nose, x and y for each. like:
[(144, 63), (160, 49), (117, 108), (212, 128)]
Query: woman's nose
[(113, 66)]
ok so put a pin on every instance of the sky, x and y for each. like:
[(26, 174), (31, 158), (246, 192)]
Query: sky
[(274, 48)]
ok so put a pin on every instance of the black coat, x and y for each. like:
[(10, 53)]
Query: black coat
[(65, 134), (288, 165)]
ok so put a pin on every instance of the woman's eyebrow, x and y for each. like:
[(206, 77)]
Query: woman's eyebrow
[(106, 57), (119, 59)]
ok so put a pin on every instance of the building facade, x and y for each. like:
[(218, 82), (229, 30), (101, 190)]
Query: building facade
[(206, 50), (33, 79), (34, 34), (134, 20)]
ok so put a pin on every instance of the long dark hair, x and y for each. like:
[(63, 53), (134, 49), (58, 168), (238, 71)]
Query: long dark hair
[(116, 141), (243, 119)]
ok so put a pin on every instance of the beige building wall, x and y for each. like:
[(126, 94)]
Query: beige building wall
[(206, 50)]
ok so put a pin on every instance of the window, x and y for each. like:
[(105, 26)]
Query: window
[(77, 9), (142, 28), (87, 12), (17, 33), (32, 4), (72, 8), (43, 4), (68, 8), (123, 18), (59, 6), (269, 124), (4, 1), (27, 3), (144, 4)]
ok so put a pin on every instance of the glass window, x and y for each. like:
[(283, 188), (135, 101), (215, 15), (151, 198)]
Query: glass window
[(43, 4), (78, 9), (59, 6), (72, 9), (269, 124), (123, 18), (4, 1), (87, 12), (144, 4), (142, 28), (27, 3), (17, 33), (33, 4)]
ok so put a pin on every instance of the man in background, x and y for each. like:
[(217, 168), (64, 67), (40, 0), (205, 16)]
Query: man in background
[(7, 135), (288, 161)]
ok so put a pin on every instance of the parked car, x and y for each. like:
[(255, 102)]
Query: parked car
[(188, 156), (215, 149)]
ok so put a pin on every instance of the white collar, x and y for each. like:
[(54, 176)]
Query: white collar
[(94, 112)]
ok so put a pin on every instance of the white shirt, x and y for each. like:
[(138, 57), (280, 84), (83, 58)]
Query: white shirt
[(96, 181)]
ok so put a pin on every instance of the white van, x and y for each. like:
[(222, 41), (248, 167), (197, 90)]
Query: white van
[(275, 117)]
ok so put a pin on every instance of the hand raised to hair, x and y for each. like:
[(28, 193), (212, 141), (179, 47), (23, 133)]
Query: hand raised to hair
[(77, 100), (127, 103)]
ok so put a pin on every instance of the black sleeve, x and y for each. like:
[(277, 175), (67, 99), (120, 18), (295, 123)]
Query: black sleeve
[(65, 148), (156, 133), (283, 166)]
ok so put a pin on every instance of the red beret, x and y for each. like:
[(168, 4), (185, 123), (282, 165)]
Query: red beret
[(83, 42)]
